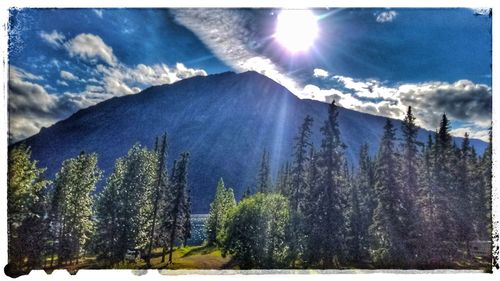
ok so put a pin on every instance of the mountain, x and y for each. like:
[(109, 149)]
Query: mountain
[(224, 120)]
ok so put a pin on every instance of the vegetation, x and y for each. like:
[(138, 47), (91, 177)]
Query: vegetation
[(411, 205)]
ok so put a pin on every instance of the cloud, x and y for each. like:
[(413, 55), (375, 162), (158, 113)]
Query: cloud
[(90, 47), (62, 83), (55, 39), (462, 101), (387, 16), (20, 74), (320, 73), (225, 32), (98, 12), (68, 75)]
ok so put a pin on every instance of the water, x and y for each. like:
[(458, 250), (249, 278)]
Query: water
[(197, 229)]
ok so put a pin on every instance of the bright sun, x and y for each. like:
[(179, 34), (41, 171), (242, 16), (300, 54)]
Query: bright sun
[(296, 30)]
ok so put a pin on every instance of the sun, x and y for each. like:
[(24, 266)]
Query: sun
[(296, 30)]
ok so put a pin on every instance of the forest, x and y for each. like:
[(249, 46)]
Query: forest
[(412, 205)]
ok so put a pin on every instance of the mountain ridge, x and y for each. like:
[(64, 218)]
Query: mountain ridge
[(225, 120)]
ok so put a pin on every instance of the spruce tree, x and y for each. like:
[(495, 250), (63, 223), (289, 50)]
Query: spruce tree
[(445, 193), (387, 229), (329, 215), (409, 181), (464, 205), (301, 158)]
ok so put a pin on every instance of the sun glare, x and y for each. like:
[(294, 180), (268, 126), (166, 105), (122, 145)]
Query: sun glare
[(296, 30)]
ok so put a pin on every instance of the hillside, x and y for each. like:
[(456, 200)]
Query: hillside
[(224, 120)]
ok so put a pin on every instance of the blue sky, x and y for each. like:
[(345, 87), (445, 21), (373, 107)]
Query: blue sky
[(377, 61)]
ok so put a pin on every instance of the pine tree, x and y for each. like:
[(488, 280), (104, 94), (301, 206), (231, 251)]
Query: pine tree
[(387, 229), (26, 207), (264, 175), (74, 185)]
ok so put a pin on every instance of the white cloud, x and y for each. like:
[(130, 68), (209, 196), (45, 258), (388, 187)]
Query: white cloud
[(462, 101), (90, 47), (320, 73), (62, 83), (54, 38), (68, 75), (387, 16), (20, 74), (98, 12), (225, 32)]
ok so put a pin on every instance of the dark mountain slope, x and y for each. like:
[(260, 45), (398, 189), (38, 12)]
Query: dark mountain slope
[(224, 120)]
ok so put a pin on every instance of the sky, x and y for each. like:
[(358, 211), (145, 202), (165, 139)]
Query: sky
[(377, 61)]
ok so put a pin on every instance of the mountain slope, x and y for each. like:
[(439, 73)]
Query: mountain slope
[(224, 120)]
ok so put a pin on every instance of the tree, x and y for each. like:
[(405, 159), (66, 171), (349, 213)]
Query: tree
[(409, 181), (445, 192), (74, 185), (256, 232), (220, 209), (301, 158), (283, 185), (387, 229), (464, 205), (483, 211), (161, 174), (26, 207), (176, 213), (328, 210), (363, 202), (130, 189), (264, 176), (108, 220)]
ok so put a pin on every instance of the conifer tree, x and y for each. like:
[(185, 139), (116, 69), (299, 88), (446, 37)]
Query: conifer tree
[(130, 188), (26, 207), (161, 180), (445, 193), (409, 180), (74, 185), (300, 154), (364, 196), (483, 210), (331, 202), (387, 229), (264, 175), (464, 205), (108, 220), (218, 217), (174, 224)]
